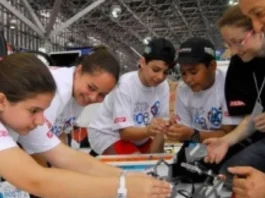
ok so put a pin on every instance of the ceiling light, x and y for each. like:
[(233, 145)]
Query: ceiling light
[(115, 11), (147, 40), (42, 49), (233, 2), (12, 24), (70, 44)]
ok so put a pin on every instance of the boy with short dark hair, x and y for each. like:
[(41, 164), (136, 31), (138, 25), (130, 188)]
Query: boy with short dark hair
[(201, 110), (130, 120)]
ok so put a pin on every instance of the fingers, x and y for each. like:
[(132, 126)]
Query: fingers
[(167, 123), (159, 124), (173, 120), (240, 193), (260, 122), (162, 188), (173, 136), (238, 182), (259, 117), (214, 156), (239, 187), (242, 171), (210, 159), (260, 125), (209, 141)]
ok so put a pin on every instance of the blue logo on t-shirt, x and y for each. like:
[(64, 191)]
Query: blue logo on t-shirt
[(155, 108), (63, 125), (141, 118), (215, 116)]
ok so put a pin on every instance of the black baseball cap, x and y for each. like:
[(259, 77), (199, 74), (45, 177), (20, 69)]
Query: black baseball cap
[(196, 50), (160, 49)]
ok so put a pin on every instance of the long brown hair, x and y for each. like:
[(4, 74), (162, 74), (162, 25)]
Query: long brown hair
[(233, 16), (23, 75), (100, 60)]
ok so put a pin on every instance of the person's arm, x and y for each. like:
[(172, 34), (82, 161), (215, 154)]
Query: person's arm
[(225, 129), (65, 157), (240, 133), (180, 132), (42, 141), (248, 182), (229, 123), (122, 117), (52, 183), (183, 129), (157, 145), (134, 133), (84, 177)]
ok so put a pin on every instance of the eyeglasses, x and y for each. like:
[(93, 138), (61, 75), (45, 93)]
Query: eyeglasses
[(243, 42)]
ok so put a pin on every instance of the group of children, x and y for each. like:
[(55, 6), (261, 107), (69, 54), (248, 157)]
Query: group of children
[(38, 104)]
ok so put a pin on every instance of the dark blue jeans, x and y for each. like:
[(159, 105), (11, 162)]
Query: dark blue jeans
[(253, 155)]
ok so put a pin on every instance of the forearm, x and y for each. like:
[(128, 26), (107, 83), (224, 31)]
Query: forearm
[(211, 134), (87, 164), (57, 183), (83, 163), (51, 182), (134, 133), (40, 160), (157, 145), (240, 133), (63, 137)]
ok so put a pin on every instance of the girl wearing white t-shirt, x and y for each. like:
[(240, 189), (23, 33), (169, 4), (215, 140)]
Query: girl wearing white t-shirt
[(89, 82), (131, 118), (26, 90)]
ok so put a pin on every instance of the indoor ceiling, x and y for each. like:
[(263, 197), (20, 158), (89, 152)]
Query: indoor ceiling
[(175, 20)]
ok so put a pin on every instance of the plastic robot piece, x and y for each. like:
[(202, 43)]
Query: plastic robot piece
[(195, 152), (206, 190), (209, 191), (157, 174), (159, 164)]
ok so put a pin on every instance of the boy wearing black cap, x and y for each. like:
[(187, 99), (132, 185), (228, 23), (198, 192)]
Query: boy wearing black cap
[(201, 110), (130, 118)]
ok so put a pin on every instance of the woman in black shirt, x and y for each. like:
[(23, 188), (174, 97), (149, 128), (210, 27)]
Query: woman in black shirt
[(244, 85)]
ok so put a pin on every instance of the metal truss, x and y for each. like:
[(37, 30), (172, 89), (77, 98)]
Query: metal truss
[(84, 20)]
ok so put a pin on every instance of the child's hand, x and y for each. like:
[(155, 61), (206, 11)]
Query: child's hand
[(172, 120), (157, 126), (248, 182), (179, 132)]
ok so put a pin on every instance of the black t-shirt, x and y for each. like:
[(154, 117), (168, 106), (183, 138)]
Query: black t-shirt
[(240, 89)]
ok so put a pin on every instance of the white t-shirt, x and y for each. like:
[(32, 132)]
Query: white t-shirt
[(205, 110), (60, 115), (66, 109), (129, 104), (41, 142), (6, 139)]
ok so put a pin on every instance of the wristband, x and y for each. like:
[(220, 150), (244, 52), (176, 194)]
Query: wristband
[(122, 191)]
